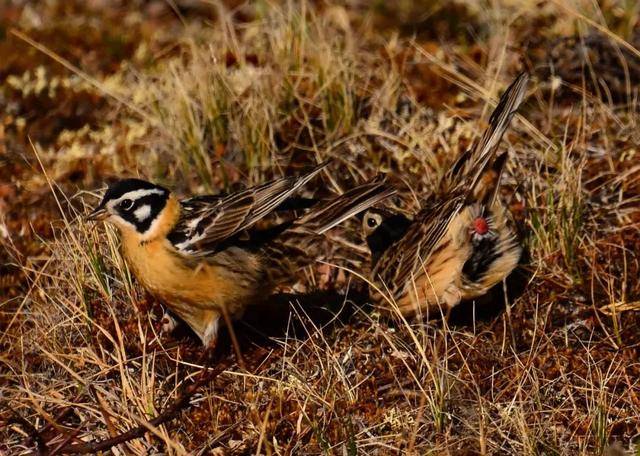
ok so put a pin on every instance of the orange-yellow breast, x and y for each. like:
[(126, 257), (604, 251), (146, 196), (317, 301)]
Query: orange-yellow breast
[(229, 280), (230, 284)]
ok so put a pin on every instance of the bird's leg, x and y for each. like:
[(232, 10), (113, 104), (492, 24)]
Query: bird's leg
[(450, 298), (210, 335)]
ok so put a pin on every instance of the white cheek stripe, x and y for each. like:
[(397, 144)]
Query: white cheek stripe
[(142, 213), (151, 231)]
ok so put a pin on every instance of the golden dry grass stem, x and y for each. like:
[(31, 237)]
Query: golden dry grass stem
[(473, 88), (75, 70), (568, 8)]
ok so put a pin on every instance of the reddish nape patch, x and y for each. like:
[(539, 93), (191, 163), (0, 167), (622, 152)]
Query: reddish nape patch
[(480, 225)]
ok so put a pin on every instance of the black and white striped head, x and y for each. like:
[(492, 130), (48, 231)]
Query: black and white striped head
[(381, 229), (132, 204)]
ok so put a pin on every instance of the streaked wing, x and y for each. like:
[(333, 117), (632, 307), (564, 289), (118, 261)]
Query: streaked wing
[(207, 221), (327, 215), (289, 249), (225, 220), (405, 258)]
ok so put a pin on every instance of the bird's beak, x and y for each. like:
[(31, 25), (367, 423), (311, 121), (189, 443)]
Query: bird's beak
[(99, 213)]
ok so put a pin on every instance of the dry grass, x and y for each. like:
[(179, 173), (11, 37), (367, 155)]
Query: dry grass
[(550, 367)]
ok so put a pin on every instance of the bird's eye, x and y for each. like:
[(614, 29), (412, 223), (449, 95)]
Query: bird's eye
[(126, 204), (372, 222)]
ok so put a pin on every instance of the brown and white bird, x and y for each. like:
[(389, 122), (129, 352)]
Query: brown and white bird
[(203, 256), (460, 244)]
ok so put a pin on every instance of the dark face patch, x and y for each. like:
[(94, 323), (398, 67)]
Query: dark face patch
[(143, 211), (142, 202), (389, 231)]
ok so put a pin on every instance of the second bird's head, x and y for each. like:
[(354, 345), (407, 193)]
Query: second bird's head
[(381, 229), (133, 205)]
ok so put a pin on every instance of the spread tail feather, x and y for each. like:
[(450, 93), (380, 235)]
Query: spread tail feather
[(483, 153)]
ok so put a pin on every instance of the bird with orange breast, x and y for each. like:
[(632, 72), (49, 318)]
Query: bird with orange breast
[(204, 258)]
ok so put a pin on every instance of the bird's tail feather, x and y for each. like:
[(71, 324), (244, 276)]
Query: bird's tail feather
[(483, 153)]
